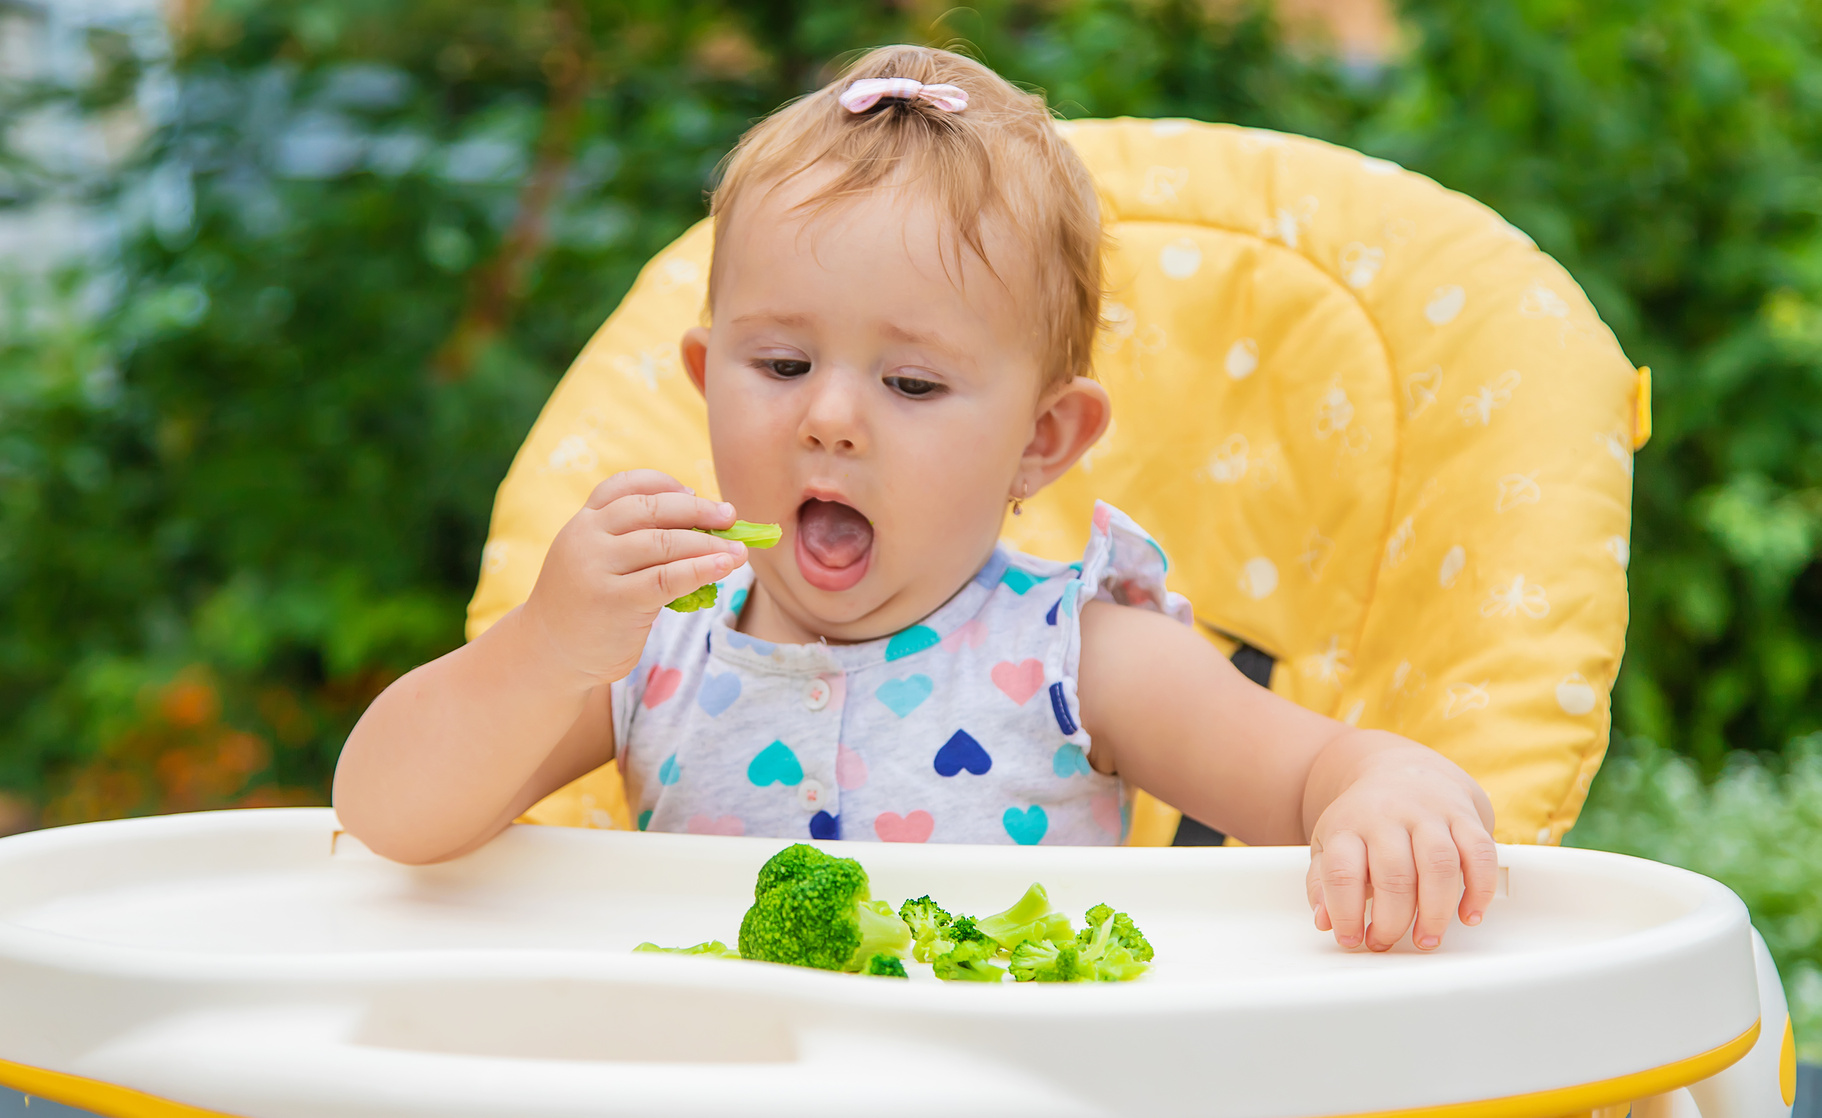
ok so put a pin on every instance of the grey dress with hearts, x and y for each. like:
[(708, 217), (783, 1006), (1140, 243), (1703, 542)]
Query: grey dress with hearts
[(961, 728)]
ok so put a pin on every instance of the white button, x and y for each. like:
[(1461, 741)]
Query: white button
[(812, 796), (816, 695)]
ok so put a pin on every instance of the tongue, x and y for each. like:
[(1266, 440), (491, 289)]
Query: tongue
[(835, 535)]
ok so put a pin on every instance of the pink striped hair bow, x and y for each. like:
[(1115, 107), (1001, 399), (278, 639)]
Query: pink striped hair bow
[(865, 93)]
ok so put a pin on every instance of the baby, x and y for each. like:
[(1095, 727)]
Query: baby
[(903, 301)]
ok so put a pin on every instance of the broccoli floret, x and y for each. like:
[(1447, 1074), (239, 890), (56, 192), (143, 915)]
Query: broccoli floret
[(1110, 947), (928, 923), (1117, 964), (1038, 960), (967, 958), (793, 863), (1029, 918), (1121, 932), (713, 947), (886, 966), (1127, 935), (812, 909)]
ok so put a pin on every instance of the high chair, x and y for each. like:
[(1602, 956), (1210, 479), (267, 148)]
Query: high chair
[(1387, 444), (1385, 440)]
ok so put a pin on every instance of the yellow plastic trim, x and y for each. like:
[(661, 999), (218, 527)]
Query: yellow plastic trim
[(1641, 418), (92, 1094), (1787, 1066), (1592, 1096)]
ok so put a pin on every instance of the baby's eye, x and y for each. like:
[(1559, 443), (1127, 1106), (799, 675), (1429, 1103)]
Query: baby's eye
[(784, 366), (914, 387)]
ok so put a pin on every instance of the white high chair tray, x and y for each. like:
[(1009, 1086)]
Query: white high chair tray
[(249, 963)]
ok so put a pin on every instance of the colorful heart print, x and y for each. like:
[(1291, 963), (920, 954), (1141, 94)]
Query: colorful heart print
[(902, 696), (1019, 581), (645, 818), (670, 772), (730, 825), (960, 752), (969, 634), (825, 827), (737, 639), (1070, 761), (1019, 681), (913, 827), (739, 599), (775, 764), (1106, 813), (660, 685), (850, 768), (718, 693), (1026, 827), (1059, 706), (909, 642)]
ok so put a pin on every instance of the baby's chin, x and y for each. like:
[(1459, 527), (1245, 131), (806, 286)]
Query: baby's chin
[(875, 605)]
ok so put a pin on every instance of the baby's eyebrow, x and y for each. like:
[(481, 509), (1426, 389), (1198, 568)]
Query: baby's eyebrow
[(899, 333), (792, 320)]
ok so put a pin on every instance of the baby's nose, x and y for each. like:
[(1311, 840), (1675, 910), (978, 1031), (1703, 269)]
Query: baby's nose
[(834, 419)]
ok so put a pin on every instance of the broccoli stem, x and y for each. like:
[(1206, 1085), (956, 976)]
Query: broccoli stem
[(881, 933)]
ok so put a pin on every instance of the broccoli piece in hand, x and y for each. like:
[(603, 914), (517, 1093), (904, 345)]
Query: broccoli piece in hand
[(753, 535), (929, 924), (886, 966), (968, 954), (761, 536), (1029, 918), (713, 947), (812, 909), (700, 598)]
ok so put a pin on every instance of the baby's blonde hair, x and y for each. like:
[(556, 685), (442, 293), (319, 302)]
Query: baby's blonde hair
[(1000, 158)]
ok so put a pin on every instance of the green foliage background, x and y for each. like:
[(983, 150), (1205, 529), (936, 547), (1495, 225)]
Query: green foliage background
[(247, 454)]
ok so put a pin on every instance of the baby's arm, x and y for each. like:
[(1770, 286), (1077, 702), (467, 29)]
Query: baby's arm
[(1384, 816), (454, 750)]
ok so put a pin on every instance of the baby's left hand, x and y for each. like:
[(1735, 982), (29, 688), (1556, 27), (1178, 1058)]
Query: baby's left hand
[(1412, 831)]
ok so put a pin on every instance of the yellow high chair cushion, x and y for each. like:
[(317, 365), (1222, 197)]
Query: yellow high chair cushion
[(1382, 437)]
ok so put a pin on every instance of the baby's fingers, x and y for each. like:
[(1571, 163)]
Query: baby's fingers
[(643, 511), (667, 583), (1393, 875), (637, 551), (1344, 871), (627, 482), (1479, 868), (1312, 888), (1438, 884)]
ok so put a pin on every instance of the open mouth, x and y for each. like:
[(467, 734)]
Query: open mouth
[(834, 544)]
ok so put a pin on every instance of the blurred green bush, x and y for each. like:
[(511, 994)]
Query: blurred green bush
[(247, 457)]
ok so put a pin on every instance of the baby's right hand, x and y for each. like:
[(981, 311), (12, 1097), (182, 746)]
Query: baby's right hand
[(617, 562)]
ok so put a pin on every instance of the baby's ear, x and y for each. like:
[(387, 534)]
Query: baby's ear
[(695, 350), (1070, 420)]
